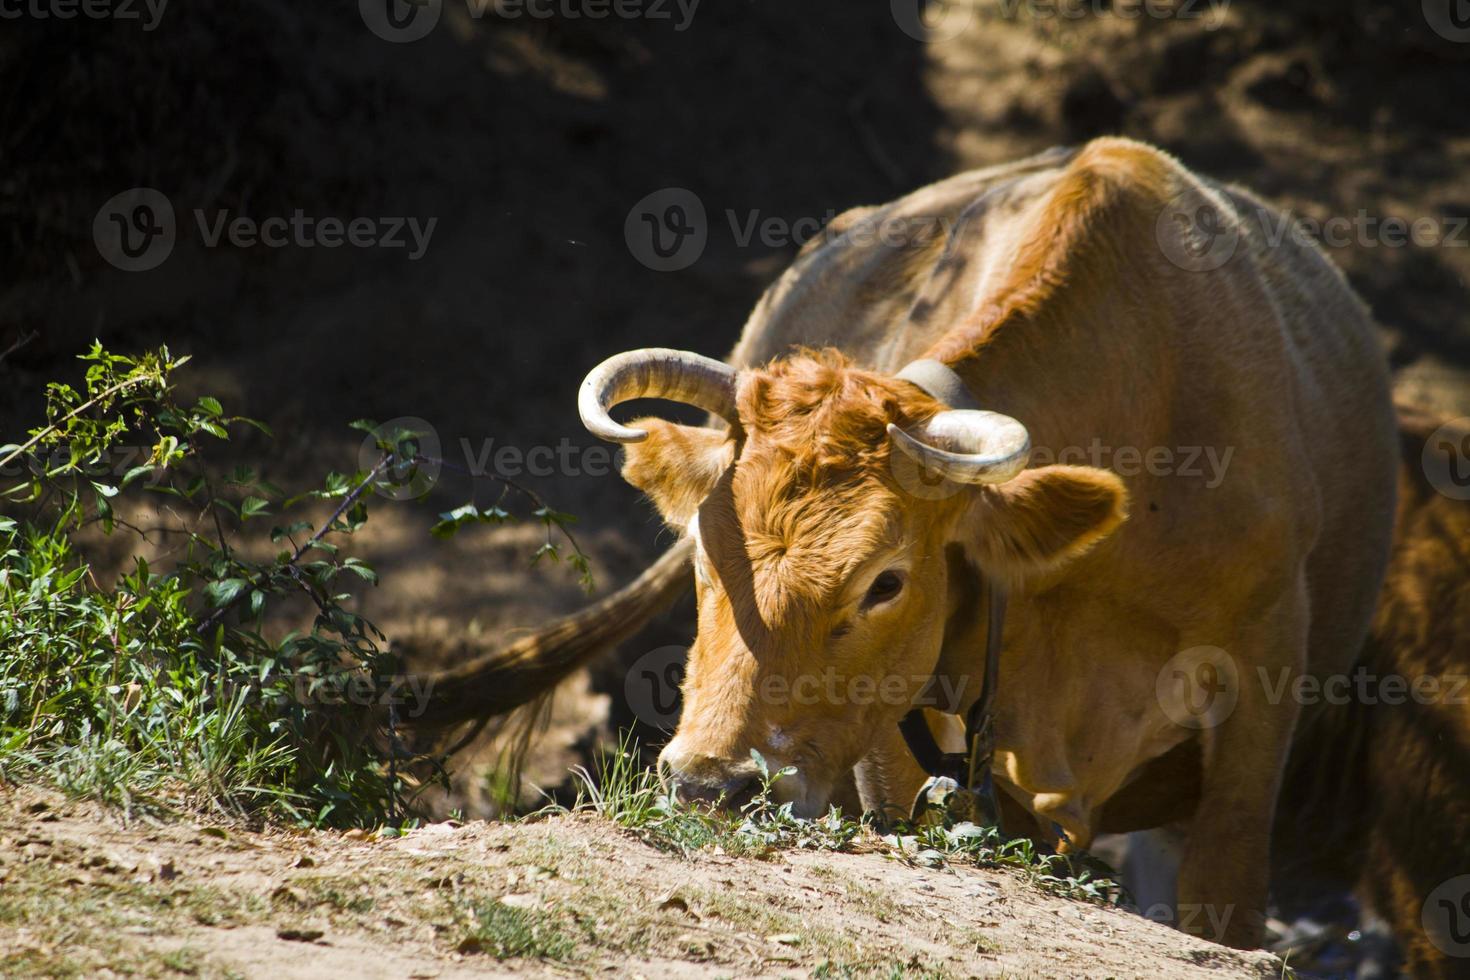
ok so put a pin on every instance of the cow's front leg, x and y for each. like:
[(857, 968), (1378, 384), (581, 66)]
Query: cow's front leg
[(888, 778), (1246, 730)]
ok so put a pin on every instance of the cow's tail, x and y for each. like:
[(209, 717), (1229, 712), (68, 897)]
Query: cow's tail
[(497, 683)]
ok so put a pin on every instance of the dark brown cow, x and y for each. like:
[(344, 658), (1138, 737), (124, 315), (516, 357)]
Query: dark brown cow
[(1377, 793)]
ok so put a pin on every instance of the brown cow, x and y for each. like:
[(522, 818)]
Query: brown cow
[(1376, 797), (1096, 297), (1377, 793)]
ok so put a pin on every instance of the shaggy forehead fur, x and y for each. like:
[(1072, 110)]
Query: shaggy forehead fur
[(812, 494)]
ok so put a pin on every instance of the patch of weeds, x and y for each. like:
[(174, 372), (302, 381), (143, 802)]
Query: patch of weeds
[(210, 906), (876, 902), (183, 960), (764, 917), (348, 900), (1081, 877), (80, 929), (514, 933), (631, 796), (913, 969)]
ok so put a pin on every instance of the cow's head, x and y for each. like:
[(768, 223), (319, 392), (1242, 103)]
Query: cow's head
[(821, 581)]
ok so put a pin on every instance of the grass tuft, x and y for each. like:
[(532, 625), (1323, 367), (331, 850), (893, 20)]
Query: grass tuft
[(515, 933)]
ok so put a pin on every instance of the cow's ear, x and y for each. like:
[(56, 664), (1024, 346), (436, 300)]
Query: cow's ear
[(677, 466), (1046, 517)]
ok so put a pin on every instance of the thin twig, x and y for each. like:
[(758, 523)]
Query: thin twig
[(141, 532), (219, 527), (301, 549), (25, 339)]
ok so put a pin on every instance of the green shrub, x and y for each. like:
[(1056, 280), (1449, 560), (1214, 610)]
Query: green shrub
[(164, 688)]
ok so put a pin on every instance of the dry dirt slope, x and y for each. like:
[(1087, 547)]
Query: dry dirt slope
[(84, 894)]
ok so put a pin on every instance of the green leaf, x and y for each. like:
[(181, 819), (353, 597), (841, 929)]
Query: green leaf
[(277, 533), (253, 507), (257, 424), (362, 570), (224, 591), (104, 511), (211, 405), (451, 521), (135, 472)]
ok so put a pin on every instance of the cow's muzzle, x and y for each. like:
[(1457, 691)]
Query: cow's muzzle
[(707, 779)]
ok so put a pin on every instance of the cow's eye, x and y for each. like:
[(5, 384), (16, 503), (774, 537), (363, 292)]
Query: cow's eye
[(884, 588)]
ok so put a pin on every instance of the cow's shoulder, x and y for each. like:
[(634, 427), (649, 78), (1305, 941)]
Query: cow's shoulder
[(1102, 210), (1093, 229)]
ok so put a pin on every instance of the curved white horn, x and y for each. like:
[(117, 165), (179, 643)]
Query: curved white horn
[(654, 372), (967, 446)]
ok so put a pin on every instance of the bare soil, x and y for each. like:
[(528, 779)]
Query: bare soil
[(84, 893)]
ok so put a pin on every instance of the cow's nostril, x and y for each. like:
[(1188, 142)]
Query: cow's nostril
[(739, 792), (733, 793)]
